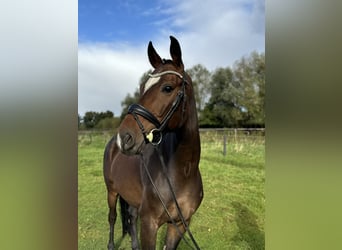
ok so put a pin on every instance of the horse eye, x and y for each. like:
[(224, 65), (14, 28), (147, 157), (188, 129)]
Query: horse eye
[(167, 89)]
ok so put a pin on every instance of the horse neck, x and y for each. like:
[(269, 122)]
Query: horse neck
[(189, 132), (190, 128), (184, 144)]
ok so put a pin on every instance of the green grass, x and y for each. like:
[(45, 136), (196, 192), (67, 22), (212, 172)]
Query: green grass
[(231, 216)]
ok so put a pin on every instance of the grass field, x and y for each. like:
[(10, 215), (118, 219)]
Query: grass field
[(231, 216)]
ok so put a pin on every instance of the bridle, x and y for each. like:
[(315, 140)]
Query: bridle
[(155, 135)]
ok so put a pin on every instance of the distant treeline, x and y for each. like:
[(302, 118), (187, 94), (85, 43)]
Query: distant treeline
[(98, 120), (227, 97)]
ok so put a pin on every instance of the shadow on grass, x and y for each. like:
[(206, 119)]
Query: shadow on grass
[(233, 162), (249, 231), (161, 239)]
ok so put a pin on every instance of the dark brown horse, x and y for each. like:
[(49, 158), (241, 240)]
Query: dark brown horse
[(157, 146)]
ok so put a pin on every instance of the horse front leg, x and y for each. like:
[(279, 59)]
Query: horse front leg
[(133, 213), (112, 198), (148, 233), (174, 235)]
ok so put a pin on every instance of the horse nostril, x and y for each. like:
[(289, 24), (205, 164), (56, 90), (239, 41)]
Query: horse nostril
[(128, 141)]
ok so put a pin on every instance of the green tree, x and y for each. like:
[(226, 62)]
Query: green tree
[(237, 95), (223, 109), (201, 79), (79, 121), (103, 115), (89, 119), (249, 74), (92, 118), (108, 123)]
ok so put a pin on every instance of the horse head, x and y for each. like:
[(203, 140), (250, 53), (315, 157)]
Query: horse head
[(163, 102)]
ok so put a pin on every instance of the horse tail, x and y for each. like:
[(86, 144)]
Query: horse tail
[(125, 217)]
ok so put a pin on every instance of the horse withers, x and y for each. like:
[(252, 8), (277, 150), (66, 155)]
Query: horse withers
[(152, 163)]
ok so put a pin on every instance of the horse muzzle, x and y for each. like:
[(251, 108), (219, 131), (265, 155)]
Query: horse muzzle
[(128, 143)]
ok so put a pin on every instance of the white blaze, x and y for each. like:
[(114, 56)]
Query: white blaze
[(154, 78), (118, 141), (150, 82)]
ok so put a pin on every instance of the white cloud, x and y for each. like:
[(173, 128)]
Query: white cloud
[(106, 74), (213, 33), (216, 33)]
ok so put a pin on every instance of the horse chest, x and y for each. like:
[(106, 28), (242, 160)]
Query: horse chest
[(183, 179)]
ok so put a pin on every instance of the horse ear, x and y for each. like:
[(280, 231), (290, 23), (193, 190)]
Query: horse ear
[(176, 53), (153, 56)]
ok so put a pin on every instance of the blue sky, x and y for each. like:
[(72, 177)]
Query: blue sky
[(129, 21), (113, 38)]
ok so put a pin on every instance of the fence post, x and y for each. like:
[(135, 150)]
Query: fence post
[(224, 144)]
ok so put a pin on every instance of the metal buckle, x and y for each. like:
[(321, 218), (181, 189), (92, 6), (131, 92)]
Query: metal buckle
[(154, 136)]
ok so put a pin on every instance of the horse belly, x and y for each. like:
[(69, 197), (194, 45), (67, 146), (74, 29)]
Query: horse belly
[(126, 178)]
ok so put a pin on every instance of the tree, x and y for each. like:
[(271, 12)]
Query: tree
[(237, 95), (249, 74), (201, 79), (89, 119), (79, 121), (108, 123), (223, 108), (92, 118)]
